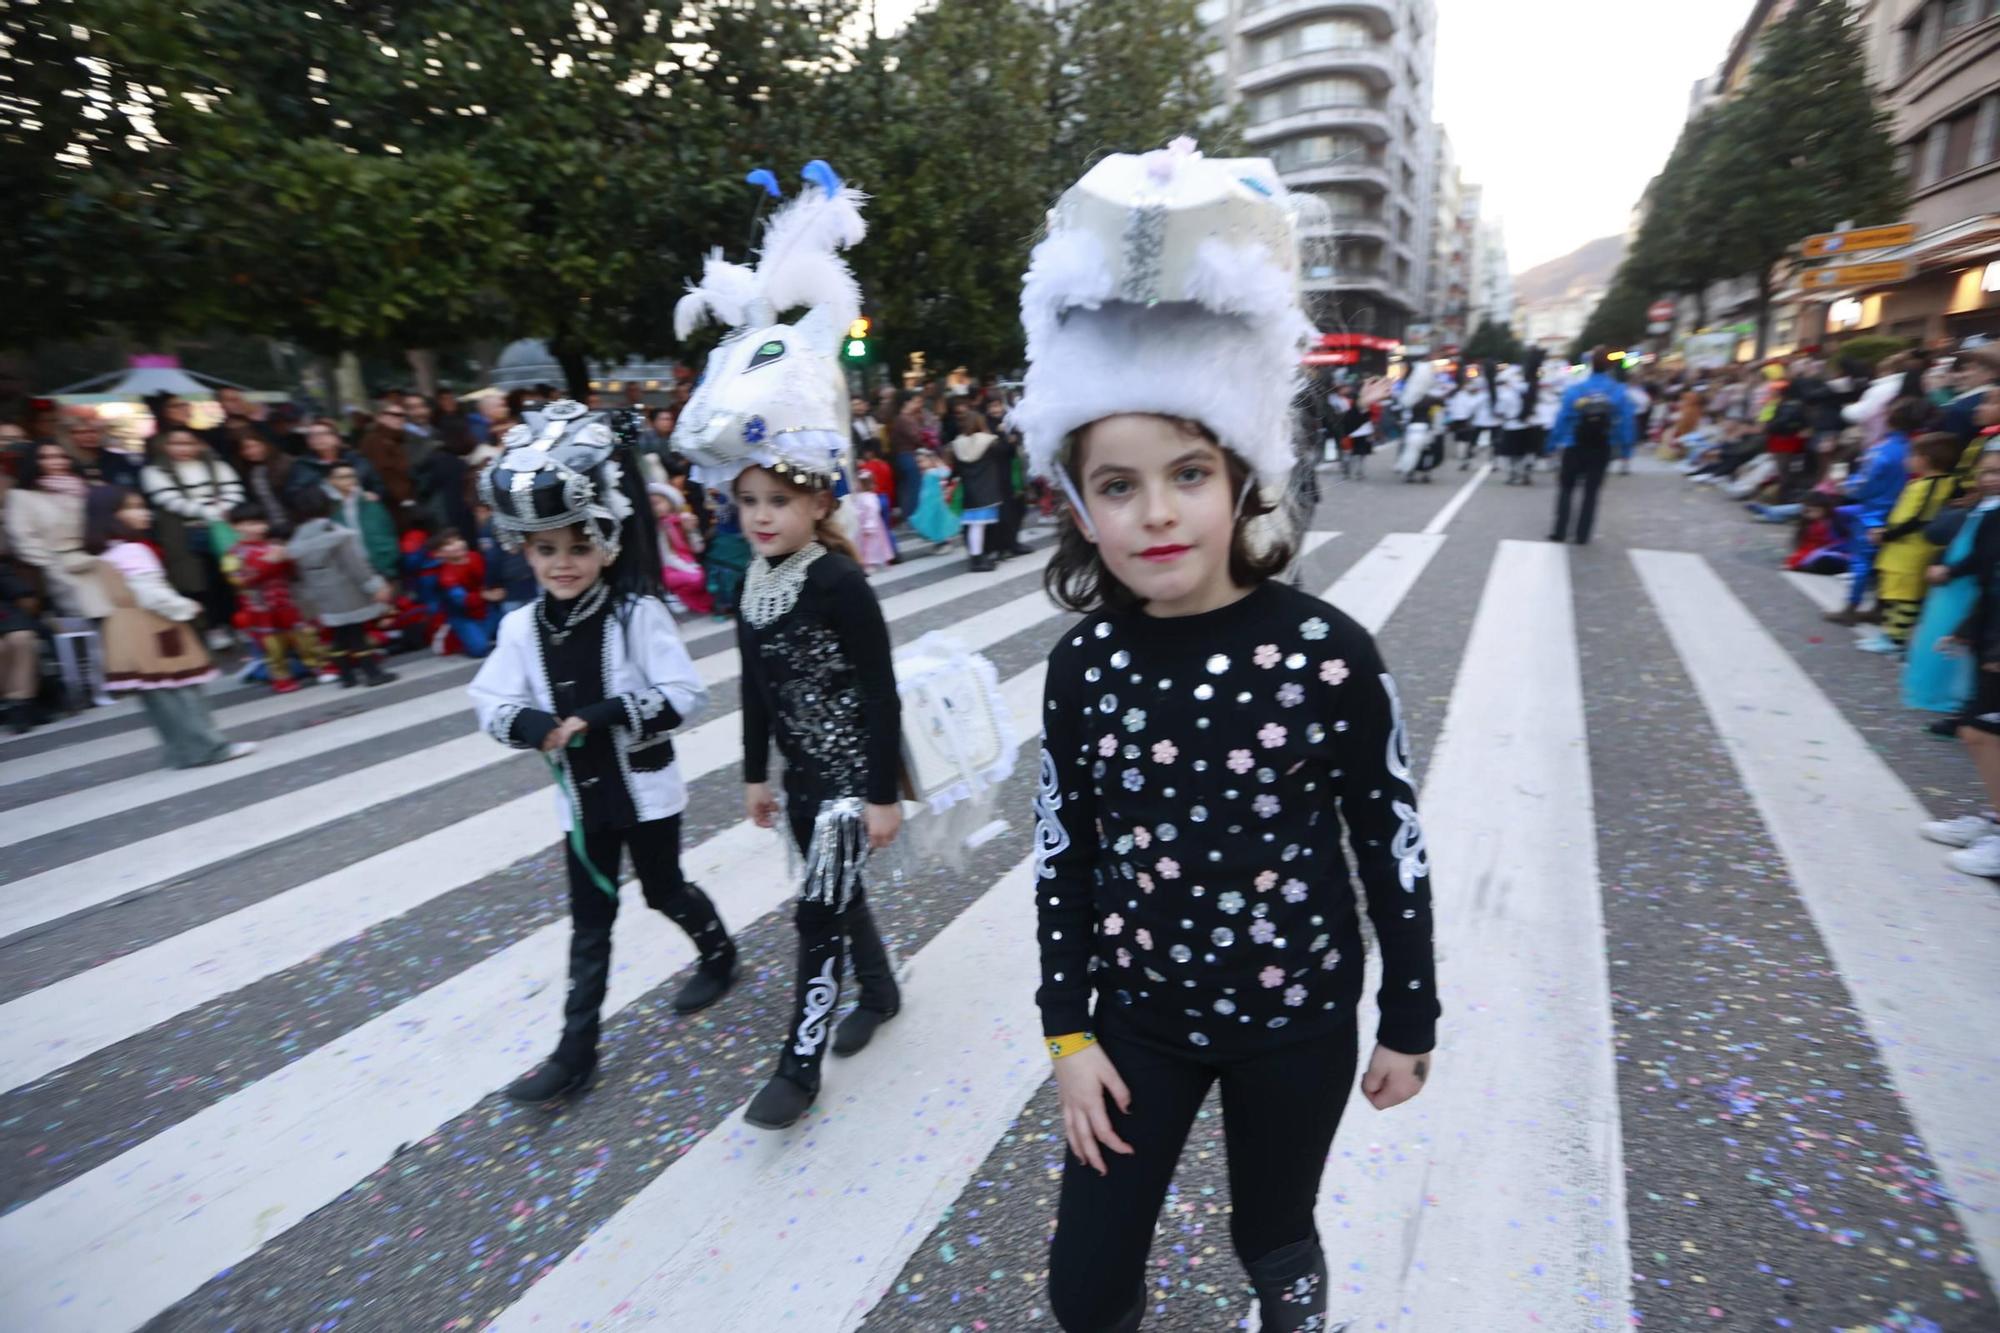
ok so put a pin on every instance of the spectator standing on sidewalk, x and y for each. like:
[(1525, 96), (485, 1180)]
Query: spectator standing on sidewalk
[(1593, 423)]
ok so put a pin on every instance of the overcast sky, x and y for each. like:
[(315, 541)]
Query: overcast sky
[(1564, 109)]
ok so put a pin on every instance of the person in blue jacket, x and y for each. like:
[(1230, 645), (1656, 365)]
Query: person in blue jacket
[(1871, 491), (1594, 422)]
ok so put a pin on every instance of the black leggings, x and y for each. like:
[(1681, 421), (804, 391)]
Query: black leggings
[(656, 860), (1279, 1111)]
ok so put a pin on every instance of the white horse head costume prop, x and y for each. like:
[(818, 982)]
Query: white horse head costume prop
[(773, 395)]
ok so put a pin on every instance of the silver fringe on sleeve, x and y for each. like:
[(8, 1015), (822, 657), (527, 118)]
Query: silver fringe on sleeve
[(837, 853)]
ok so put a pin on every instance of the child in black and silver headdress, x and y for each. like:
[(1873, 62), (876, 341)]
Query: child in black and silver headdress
[(594, 676)]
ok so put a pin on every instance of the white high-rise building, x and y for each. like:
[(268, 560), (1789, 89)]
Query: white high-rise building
[(1337, 93)]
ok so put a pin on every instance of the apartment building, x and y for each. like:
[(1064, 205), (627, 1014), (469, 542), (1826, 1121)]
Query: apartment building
[(1337, 93)]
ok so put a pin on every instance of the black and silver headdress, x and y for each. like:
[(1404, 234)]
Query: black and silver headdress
[(559, 470)]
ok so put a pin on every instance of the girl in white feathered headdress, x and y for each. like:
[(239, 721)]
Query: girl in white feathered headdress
[(593, 675), (769, 426), (1209, 731)]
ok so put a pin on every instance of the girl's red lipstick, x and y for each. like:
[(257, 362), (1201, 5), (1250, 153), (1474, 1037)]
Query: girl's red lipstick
[(1163, 552)]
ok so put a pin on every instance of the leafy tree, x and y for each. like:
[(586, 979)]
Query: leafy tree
[(966, 126), (1620, 317), (1804, 146), (1493, 342), (1675, 251)]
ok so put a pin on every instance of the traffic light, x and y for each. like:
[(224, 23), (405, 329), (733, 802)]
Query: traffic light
[(857, 340)]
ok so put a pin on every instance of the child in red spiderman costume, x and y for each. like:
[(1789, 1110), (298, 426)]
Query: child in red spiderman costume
[(262, 572), (451, 581)]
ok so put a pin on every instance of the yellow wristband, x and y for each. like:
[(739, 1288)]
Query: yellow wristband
[(1070, 1044)]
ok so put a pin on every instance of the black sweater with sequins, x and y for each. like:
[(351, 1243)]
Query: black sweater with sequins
[(822, 680), (1196, 773)]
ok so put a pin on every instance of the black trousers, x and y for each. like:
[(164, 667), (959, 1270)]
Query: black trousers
[(1583, 464), (1279, 1113), (656, 860)]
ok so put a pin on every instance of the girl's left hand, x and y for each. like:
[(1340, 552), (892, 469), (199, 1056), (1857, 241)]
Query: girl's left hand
[(883, 823), (1393, 1078)]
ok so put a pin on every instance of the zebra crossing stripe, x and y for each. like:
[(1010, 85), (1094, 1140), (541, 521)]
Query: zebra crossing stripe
[(213, 1189), (76, 886), (1516, 1136), (1908, 935)]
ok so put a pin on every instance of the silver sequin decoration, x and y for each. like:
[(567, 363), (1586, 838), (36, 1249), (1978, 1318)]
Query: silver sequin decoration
[(1218, 664)]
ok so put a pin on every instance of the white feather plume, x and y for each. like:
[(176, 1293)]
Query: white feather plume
[(723, 294), (1068, 269), (799, 263), (1417, 386), (1239, 280)]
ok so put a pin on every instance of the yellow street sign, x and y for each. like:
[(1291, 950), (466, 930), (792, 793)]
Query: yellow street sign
[(1857, 275), (1860, 238)]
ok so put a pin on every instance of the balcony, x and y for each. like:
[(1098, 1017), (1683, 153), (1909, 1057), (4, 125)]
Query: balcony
[(1264, 15), (1369, 62), (1320, 119), (1320, 174), (1372, 282), (1357, 228)]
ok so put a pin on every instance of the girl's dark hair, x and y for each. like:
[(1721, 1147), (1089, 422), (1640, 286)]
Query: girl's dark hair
[(1940, 449), (249, 512), (1076, 578), (437, 540), (29, 472), (101, 524), (1908, 414)]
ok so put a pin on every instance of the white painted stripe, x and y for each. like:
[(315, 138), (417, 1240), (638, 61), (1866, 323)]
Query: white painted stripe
[(212, 1190), (254, 707), (1442, 519), (118, 797), (1914, 941), (67, 1020), (78, 885), (723, 1238), (1376, 585), (1496, 1199)]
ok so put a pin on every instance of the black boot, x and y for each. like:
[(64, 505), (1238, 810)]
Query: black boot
[(348, 677), (1291, 1289), (694, 912), (371, 668), (570, 1070), (881, 999), (795, 1084), (550, 1081)]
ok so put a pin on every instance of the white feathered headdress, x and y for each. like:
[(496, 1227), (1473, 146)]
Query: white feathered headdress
[(773, 394), (1167, 283)]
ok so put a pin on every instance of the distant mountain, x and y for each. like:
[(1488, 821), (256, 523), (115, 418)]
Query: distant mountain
[(1589, 265)]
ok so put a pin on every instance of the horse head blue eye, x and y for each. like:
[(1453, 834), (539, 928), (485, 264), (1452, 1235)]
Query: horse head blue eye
[(766, 354)]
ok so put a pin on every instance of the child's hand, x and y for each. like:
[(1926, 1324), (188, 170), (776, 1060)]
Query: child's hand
[(761, 804), (568, 729), (1083, 1080), (1875, 535), (385, 595), (1950, 645), (1938, 575), (883, 822), (1393, 1078)]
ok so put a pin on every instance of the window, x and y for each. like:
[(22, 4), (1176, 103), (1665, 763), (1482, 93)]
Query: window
[(1932, 170), (1324, 35), (1319, 150), (1958, 144), (1958, 13), (1986, 137), (1308, 95)]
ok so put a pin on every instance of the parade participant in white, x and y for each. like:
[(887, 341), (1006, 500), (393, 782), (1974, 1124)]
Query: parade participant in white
[(593, 674)]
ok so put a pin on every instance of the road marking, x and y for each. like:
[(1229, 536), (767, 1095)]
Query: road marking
[(1914, 941), (212, 1190), (253, 707), (1444, 516), (914, 1115)]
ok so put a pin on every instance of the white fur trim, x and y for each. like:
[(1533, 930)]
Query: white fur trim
[(1237, 377)]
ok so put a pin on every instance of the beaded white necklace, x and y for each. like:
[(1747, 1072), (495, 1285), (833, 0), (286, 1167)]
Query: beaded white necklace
[(769, 591)]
